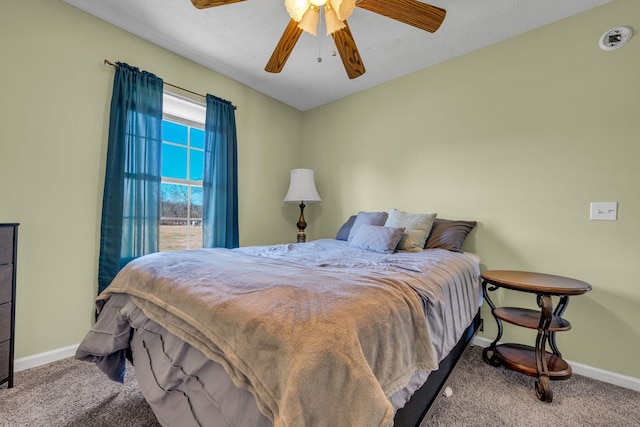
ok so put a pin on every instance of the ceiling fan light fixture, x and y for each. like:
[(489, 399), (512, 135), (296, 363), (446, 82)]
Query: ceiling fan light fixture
[(343, 8), (307, 13), (332, 22), (310, 19), (296, 8)]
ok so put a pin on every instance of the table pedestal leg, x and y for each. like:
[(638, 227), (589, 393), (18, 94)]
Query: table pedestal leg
[(491, 360), (543, 386), (561, 307)]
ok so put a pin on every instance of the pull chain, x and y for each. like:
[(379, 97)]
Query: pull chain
[(320, 37)]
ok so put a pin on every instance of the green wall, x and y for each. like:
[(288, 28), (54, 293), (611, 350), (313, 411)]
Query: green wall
[(54, 112), (520, 136)]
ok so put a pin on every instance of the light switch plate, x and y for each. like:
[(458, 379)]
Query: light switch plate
[(604, 211)]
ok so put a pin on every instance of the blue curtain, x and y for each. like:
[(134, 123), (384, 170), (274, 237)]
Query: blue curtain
[(131, 199), (220, 181)]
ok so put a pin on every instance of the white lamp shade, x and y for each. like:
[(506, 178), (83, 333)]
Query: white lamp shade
[(302, 187)]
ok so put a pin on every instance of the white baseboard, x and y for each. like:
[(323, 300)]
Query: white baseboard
[(44, 358), (580, 369), (625, 381)]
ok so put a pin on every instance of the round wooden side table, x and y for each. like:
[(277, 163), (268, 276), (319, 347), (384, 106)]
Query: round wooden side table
[(533, 361)]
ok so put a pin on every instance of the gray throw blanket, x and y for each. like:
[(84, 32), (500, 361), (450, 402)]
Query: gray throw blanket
[(316, 345)]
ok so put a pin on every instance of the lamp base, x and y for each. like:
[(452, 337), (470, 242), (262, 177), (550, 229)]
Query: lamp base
[(302, 224)]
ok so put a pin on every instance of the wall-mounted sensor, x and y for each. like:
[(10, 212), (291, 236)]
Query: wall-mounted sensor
[(615, 38)]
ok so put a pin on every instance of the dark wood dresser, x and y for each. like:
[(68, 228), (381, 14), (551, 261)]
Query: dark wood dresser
[(8, 255)]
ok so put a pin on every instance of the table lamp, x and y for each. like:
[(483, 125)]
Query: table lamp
[(302, 188)]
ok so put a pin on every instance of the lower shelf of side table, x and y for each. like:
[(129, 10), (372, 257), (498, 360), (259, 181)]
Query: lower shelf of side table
[(522, 358), (530, 318)]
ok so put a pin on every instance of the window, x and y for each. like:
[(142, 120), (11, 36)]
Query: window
[(182, 172)]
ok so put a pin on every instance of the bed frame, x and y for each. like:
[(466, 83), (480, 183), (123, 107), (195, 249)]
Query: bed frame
[(419, 406)]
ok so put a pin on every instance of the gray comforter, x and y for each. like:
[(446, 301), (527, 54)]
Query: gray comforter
[(320, 333)]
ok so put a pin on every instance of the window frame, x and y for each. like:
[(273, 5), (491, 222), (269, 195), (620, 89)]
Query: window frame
[(187, 112)]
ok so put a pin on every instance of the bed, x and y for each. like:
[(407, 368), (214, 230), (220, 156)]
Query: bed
[(334, 332)]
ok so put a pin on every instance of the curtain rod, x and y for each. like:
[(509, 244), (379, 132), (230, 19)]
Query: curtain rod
[(107, 62)]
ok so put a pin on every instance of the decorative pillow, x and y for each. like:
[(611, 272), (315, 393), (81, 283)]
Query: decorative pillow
[(343, 233), (377, 238), (449, 234), (417, 228), (371, 218)]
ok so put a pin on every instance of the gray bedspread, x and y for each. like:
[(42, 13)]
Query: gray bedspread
[(322, 334)]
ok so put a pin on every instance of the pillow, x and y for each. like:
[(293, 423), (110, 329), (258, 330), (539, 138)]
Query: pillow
[(449, 234), (417, 228), (377, 238), (343, 233), (371, 218)]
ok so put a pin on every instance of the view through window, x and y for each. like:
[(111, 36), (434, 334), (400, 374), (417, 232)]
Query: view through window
[(182, 172)]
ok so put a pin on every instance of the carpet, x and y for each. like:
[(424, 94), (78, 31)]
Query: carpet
[(70, 393)]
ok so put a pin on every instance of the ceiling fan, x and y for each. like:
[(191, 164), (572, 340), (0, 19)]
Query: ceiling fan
[(412, 12)]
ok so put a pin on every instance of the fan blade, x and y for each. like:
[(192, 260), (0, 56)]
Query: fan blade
[(283, 49), (411, 12), (203, 4), (348, 52)]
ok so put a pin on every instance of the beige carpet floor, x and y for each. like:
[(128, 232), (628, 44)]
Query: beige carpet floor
[(70, 393)]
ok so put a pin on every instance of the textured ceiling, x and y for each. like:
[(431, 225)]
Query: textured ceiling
[(236, 40)]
